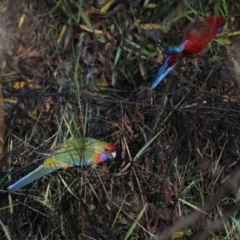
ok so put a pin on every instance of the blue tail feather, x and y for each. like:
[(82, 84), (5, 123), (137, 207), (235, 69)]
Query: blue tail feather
[(162, 73), (32, 176)]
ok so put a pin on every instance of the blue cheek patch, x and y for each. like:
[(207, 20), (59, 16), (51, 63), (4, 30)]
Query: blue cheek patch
[(105, 156), (220, 29)]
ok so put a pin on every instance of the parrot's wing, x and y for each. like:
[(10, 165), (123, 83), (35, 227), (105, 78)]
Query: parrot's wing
[(173, 49), (76, 152)]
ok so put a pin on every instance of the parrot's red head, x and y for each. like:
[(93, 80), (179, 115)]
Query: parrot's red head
[(111, 148), (216, 23)]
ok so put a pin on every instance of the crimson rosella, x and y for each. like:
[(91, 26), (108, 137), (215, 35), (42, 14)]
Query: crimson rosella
[(194, 40)]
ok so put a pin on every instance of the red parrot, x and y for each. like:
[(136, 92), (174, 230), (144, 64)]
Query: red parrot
[(194, 40)]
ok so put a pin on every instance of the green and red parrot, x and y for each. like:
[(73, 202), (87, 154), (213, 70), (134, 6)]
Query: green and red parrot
[(76, 152), (193, 40)]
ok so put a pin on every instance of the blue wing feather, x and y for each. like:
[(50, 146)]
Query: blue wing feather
[(176, 48)]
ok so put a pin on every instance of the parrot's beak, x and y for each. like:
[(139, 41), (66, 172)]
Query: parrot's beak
[(113, 154)]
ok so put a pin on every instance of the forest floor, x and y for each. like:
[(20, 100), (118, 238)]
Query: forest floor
[(82, 69)]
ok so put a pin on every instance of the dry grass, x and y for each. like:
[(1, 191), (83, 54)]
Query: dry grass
[(69, 68)]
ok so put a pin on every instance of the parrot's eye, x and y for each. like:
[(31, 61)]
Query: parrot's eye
[(106, 150)]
